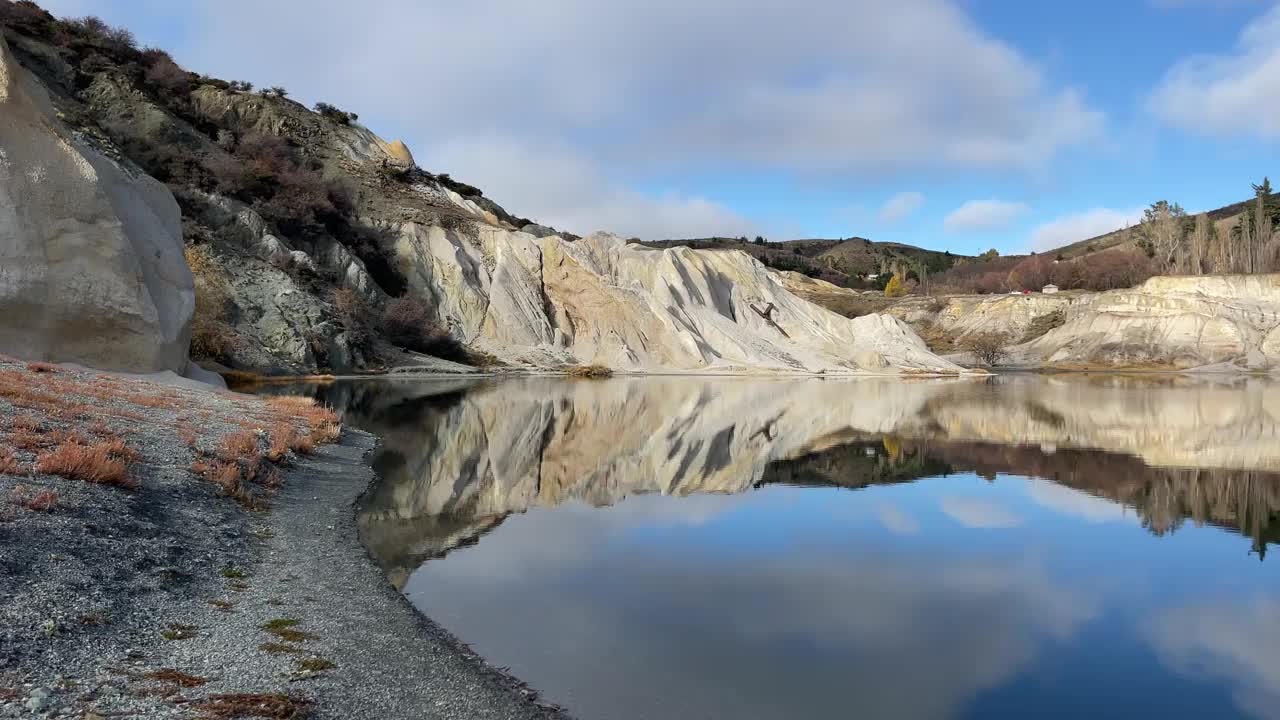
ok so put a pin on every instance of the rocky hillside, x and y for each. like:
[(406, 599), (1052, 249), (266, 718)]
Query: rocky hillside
[(842, 262), (316, 245), (1230, 322)]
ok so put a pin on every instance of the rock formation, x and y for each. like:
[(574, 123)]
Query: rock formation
[(1172, 322), (91, 265), (549, 301)]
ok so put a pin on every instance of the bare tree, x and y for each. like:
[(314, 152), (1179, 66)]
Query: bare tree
[(989, 348), (1162, 235), (1200, 244)]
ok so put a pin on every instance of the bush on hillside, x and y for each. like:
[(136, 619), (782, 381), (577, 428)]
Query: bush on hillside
[(411, 324), (212, 335)]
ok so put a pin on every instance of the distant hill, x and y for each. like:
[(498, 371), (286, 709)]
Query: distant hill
[(844, 262), (1223, 218)]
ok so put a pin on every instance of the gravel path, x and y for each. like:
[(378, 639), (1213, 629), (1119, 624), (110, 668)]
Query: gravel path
[(168, 599)]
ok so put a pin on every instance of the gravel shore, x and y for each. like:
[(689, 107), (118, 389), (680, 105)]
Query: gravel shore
[(170, 599)]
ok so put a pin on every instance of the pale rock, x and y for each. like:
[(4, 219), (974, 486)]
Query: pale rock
[(91, 263), (538, 301), (1178, 322)]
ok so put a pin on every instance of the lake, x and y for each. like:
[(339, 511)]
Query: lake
[(1008, 547)]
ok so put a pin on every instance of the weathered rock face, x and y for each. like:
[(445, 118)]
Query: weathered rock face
[(91, 265), (1177, 322), (548, 301)]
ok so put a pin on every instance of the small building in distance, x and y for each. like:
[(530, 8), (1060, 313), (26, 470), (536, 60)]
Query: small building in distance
[(1049, 289)]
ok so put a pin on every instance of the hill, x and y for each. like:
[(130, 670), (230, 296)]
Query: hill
[(1223, 218), (844, 262)]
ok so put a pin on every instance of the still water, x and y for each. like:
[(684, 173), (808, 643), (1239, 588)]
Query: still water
[(1020, 546)]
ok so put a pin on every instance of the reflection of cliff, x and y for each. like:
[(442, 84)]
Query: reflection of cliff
[(459, 455)]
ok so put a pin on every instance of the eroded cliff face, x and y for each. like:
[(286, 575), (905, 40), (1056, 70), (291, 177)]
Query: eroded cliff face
[(551, 301), (1174, 322), (91, 265)]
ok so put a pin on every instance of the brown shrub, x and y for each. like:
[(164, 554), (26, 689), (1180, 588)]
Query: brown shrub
[(42, 367), (411, 324), (322, 422), (176, 677), (212, 335), (353, 313), (239, 446), (165, 75), (25, 422), (8, 463), (101, 463), (36, 501), (589, 371), (225, 475), (271, 706), (27, 440)]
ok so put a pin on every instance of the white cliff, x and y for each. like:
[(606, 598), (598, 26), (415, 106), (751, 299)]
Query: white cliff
[(550, 301), (91, 265), (1171, 322)]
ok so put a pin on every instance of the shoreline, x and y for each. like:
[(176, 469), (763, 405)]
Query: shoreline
[(167, 599)]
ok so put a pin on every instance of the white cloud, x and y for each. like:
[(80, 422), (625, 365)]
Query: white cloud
[(1237, 643), (977, 215), (895, 520), (1233, 93), (1081, 226), (641, 90), (570, 192), (901, 206), (979, 514), (1069, 501)]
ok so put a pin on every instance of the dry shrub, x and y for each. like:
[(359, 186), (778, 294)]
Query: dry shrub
[(154, 401), (187, 435), (36, 501), (411, 324), (239, 446), (26, 422), (42, 367), (322, 422), (262, 705), (58, 437), (589, 371), (8, 463), (285, 437), (27, 440), (212, 335), (104, 463), (176, 677)]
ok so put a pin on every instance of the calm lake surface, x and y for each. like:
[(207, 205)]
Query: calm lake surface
[(1013, 547)]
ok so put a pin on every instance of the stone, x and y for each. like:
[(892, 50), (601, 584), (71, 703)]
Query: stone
[(400, 152), (91, 263), (39, 701)]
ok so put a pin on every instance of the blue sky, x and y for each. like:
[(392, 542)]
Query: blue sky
[(953, 124)]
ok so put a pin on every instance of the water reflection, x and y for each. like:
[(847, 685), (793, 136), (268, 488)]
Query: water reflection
[(669, 547)]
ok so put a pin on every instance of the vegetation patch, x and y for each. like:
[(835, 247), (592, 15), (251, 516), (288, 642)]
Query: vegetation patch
[(179, 631), (176, 677), (277, 648), (589, 371), (274, 706), (316, 664)]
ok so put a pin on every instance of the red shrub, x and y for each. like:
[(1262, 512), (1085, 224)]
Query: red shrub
[(37, 501), (104, 463)]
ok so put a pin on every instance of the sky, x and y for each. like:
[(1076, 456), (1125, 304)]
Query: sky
[(951, 124)]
